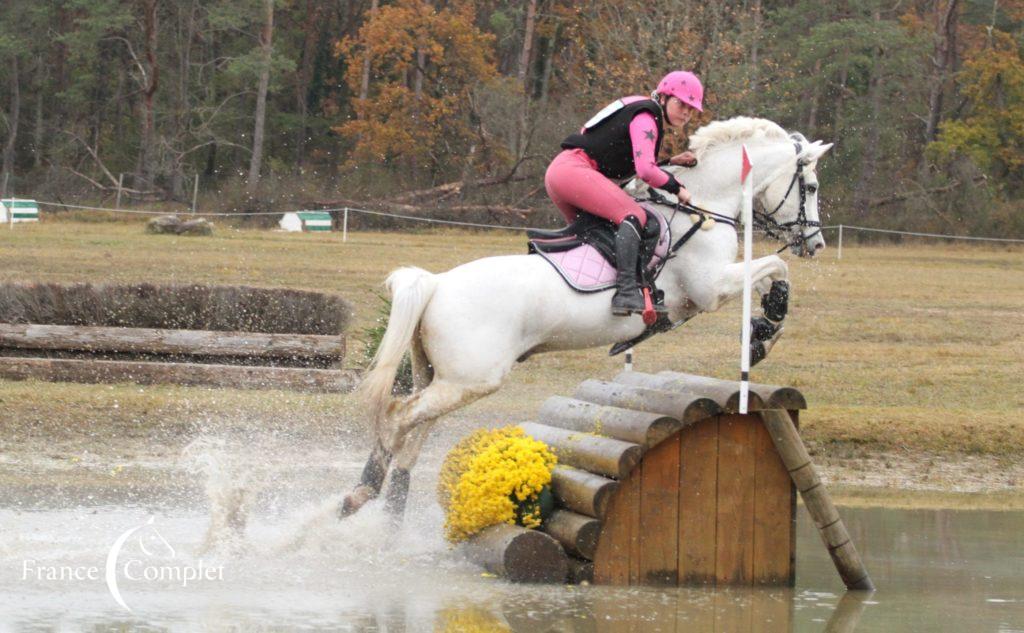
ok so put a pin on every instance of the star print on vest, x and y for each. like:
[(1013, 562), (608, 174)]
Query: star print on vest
[(608, 143)]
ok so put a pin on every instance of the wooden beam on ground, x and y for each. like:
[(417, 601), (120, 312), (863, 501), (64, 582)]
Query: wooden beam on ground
[(817, 500), (177, 342), (190, 374), (518, 554)]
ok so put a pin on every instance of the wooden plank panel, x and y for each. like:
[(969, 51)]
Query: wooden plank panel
[(734, 543), (636, 534), (162, 341), (191, 374), (659, 514), (698, 502), (612, 560), (773, 521)]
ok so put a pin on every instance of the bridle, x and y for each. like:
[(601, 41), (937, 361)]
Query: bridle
[(764, 221), (778, 230)]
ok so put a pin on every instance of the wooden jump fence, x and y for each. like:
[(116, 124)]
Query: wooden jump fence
[(157, 355), (661, 482)]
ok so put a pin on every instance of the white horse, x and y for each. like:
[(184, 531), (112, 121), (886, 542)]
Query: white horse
[(467, 327)]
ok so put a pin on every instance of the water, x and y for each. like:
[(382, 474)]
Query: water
[(179, 565)]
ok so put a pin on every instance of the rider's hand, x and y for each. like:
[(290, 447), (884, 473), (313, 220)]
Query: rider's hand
[(686, 159), (683, 195)]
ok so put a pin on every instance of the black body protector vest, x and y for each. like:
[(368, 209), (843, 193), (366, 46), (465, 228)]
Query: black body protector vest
[(605, 137)]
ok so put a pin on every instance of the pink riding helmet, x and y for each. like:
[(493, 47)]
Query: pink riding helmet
[(685, 86)]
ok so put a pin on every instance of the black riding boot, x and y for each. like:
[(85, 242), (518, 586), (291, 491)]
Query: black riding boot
[(628, 298)]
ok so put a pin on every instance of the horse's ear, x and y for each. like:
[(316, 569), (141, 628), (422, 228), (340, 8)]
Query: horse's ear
[(818, 149), (814, 151)]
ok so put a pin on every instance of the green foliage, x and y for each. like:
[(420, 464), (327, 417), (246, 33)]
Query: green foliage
[(372, 337), (992, 132)]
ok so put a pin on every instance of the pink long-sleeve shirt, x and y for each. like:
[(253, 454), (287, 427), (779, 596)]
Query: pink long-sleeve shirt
[(643, 134)]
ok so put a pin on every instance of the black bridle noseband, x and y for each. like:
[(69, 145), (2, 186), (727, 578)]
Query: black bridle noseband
[(778, 230)]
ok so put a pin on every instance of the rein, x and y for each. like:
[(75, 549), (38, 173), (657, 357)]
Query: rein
[(764, 221)]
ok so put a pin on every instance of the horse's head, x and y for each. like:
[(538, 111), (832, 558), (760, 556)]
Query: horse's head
[(786, 202)]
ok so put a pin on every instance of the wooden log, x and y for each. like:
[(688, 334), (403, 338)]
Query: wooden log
[(576, 532), (725, 394), (582, 492), (645, 429), (171, 342), (191, 374), (580, 571), (518, 554), (773, 396), (797, 460), (685, 407), (601, 455)]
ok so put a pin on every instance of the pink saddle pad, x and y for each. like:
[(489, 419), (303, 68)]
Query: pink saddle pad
[(586, 270)]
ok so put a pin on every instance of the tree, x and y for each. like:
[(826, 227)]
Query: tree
[(401, 118), (991, 134)]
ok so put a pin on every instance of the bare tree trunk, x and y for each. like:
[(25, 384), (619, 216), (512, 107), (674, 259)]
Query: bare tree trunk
[(261, 96), (754, 45), (364, 85), (524, 75), (145, 167), (12, 120), (545, 77), (942, 61), (37, 136), (813, 99), (311, 34), (869, 157)]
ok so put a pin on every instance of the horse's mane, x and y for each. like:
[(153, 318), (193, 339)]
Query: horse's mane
[(737, 128)]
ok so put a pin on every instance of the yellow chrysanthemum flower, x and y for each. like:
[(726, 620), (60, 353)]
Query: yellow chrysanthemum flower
[(488, 475)]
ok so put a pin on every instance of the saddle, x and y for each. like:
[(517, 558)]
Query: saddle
[(583, 253)]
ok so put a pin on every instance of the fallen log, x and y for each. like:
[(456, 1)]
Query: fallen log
[(518, 554), (171, 342), (190, 374)]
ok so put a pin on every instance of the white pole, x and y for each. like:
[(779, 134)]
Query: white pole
[(344, 227), (195, 194), (840, 254), (748, 247), (629, 359), (120, 183)]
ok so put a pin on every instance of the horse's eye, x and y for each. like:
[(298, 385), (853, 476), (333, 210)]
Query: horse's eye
[(812, 188)]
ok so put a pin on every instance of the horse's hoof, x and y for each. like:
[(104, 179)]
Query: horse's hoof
[(354, 501)]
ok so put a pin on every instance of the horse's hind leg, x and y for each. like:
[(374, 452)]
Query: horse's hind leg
[(376, 468), (413, 428), (370, 482)]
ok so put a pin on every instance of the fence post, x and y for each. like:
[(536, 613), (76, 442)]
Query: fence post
[(195, 193), (120, 183), (344, 226), (840, 254)]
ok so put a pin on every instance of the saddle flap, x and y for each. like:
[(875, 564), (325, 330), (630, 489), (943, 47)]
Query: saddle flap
[(583, 253)]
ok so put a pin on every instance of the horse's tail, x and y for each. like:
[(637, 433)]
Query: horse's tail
[(411, 289)]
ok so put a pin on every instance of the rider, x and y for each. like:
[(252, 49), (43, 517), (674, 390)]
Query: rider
[(621, 140)]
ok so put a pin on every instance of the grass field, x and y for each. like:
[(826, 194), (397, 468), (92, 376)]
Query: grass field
[(896, 347)]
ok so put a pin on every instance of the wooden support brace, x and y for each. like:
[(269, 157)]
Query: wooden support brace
[(830, 526)]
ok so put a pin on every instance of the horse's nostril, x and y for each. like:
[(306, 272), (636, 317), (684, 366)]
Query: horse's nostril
[(819, 246)]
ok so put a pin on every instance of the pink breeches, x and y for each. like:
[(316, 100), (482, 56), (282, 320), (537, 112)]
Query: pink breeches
[(575, 185)]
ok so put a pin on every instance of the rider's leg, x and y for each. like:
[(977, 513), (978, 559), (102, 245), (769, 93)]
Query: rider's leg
[(627, 297), (573, 182)]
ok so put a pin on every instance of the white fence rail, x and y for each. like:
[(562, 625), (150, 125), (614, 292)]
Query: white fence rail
[(841, 228)]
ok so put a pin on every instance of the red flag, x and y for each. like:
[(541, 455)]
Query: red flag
[(746, 165)]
